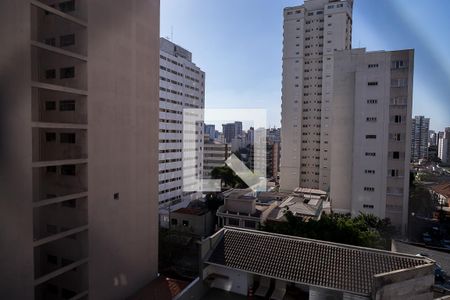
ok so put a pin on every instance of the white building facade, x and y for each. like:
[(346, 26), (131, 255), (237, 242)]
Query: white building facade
[(371, 133), (182, 86), (312, 32)]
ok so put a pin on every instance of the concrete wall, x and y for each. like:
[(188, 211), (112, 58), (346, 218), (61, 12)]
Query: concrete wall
[(123, 104), (416, 283), (201, 225), (239, 281), (16, 227)]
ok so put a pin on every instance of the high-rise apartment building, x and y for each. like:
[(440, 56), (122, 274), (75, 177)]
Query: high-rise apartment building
[(232, 130), (210, 131), (432, 138), (182, 86), (444, 146), (371, 133), (312, 32), (419, 137), (79, 113)]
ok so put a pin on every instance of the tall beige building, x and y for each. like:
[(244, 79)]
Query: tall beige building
[(371, 133), (79, 148), (312, 32)]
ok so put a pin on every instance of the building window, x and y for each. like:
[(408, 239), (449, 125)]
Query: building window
[(398, 83), (372, 101), (369, 171), (371, 119), (396, 136), (67, 294), (70, 203), (50, 74), (50, 105), (397, 119), (370, 154), (67, 138), (396, 155), (50, 136), (68, 72), (395, 173), (67, 40), (174, 222), (373, 66), (372, 83), (52, 229), (66, 262), (51, 169), (399, 64), (50, 41), (67, 105), (69, 170), (52, 259), (67, 6), (371, 136), (185, 223), (368, 206), (51, 289), (369, 189)]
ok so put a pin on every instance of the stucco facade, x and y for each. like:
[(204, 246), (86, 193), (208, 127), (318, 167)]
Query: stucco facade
[(79, 102), (312, 32), (370, 136)]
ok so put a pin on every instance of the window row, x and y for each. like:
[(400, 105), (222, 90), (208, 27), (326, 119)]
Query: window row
[(64, 73)]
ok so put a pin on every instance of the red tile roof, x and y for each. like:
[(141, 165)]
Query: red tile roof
[(443, 189)]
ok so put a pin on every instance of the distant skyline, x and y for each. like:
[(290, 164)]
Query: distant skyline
[(239, 46)]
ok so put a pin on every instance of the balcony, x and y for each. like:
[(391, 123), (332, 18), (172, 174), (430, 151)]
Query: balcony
[(59, 70), (69, 282), (58, 107), (73, 8), (58, 181), (59, 217), (54, 144)]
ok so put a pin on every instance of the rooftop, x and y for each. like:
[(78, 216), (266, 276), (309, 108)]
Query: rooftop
[(443, 189), (191, 211), (305, 261)]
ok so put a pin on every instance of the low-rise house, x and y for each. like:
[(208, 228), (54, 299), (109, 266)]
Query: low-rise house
[(246, 208), (197, 218), (237, 263), (443, 192)]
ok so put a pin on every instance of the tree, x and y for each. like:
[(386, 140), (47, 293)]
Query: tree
[(213, 201), (421, 202), (228, 177), (364, 230)]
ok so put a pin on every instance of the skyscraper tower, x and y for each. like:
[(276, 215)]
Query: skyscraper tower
[(312, 32), (79, 148), (420, 137), (182, 86)]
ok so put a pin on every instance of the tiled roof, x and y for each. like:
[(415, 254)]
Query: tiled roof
[(191, 211), (443, 189), (306, 261)]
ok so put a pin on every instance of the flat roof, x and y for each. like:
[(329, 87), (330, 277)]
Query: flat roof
[(306, 261), (191, 211)]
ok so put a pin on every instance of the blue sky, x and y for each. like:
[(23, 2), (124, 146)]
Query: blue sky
[(238, 43)]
